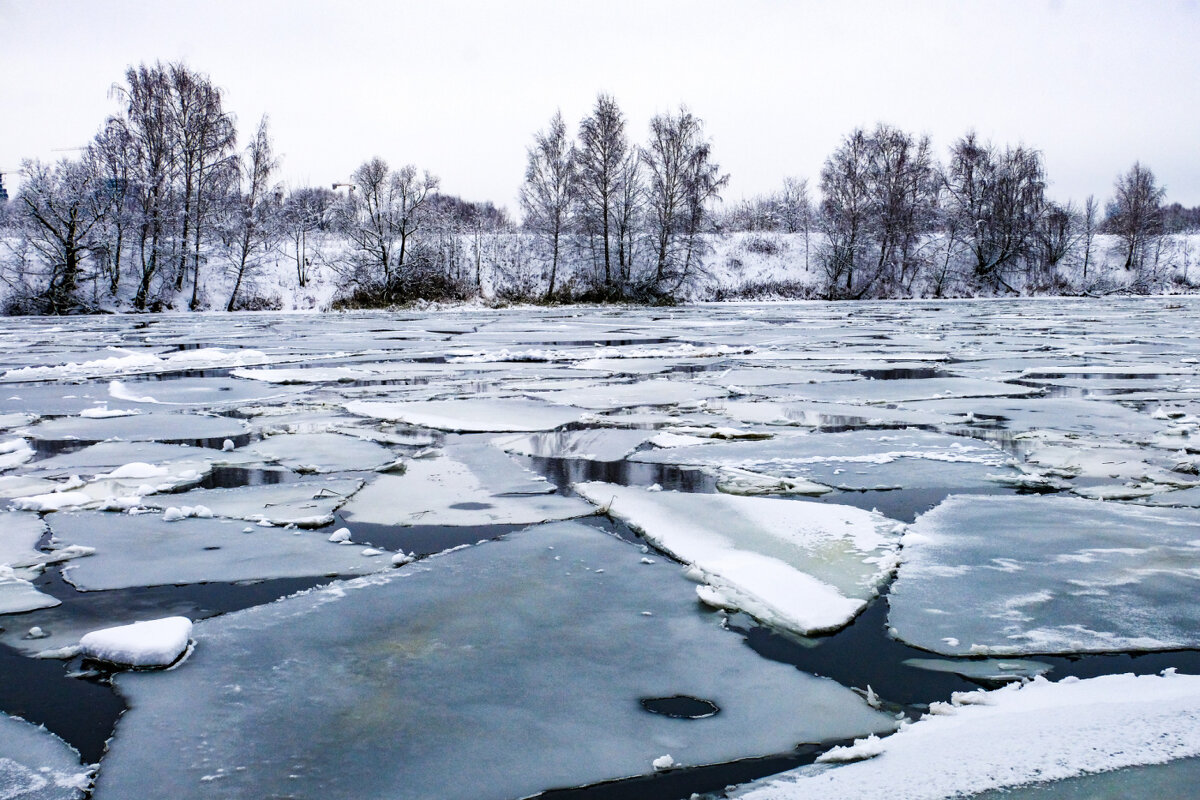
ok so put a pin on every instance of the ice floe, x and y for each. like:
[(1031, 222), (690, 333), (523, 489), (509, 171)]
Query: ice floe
[(319, 452), (143, 550), (1010, 575), (478, 416), (473, 489), (806, 567), (514, 666), (1014, 736), (37, 765), (303, 504), (152, 643)]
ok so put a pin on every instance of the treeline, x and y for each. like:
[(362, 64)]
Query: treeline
[(891, 220), (163, 209), (162, 205)]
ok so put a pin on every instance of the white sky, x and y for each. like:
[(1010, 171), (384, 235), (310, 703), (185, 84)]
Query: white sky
[(460, 86)]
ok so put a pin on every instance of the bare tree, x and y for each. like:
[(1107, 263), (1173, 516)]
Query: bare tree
[(846, 214), (795, 211), (1135, 213), (902, 185), (205, 137), (673, 138), (549, 190), (998, 197), (1090, 219), (113, 158), (1056, 234), (147, 122), (305, 216), (60, 210), (251, 225), (603, 152), (384, 214)]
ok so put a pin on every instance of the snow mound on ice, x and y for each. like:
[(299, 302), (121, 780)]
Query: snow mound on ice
[(155, 643), (1018, 735)]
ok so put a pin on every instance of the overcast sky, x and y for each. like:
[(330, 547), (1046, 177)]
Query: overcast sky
[(460, 86)]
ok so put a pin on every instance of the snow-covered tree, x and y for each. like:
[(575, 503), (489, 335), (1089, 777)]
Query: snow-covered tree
[(1135, 213), (548, 193)]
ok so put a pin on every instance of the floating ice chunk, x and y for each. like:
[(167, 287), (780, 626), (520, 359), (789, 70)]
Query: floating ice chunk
[(446, 491), (9, 421), (161, 427), (120, 391), (340, 535), (14, 452), (37, 765), (18, 595), (626, 395), (861, 750), (806, 567), (744, 482), (103, 412), (987, 669), (862, 459), (471, 415), (19, 537), (907, 390), (143, 551), (1180, 497), (53, 501), (305, 504), (302, 375), (604, 444), (664, 763), (561, 717), (1019, 735), (21, 486), (319, 452), (1008, 575), (155, 643), (137, 469), (1116, 491), (176, 513)]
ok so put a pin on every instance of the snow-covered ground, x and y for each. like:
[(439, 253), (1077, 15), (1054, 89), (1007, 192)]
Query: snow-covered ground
[(484, 549), (753, 265)]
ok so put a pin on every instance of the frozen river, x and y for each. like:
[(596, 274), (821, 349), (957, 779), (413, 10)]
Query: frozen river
[(771, 551)]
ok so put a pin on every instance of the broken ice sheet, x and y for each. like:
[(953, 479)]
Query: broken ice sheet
[(305, 504), (165, 427), (18, 595), (19, 537), (629, 395), (498, 415), (210, 392), (1018, 735), (473, 488), (813, 414), (1010, 575), (993, 670), (1060, 414), (595, 444), (319, 452), (906, 389), (806, 567), (854, 460), (106, 456), (37, 765), (14, 452), (143, 550), (1174, 779), (512, 667)]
